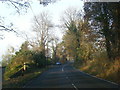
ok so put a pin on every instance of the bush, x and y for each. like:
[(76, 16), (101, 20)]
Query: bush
[(102, 67), (17, 63), (39, 59), (20, 81), (31, 58)]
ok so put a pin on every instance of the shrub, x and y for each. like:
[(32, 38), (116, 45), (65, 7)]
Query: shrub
[(102, 67), (39, 59), (17, 63)]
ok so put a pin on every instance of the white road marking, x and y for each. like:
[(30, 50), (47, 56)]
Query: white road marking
[(69, 79), (96, 77), (63, 68), (100, 78), (74, 86)]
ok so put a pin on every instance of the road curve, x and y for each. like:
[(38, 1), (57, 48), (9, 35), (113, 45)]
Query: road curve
[(65, 76)]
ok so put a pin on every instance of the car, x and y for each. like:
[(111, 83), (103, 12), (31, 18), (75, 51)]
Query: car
[(58, 63)]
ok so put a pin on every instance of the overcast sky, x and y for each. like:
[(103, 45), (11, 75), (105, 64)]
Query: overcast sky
[(23, 22)]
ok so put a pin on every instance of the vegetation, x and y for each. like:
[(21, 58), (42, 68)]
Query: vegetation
[(20, 81), (6, 59), (104, 18), (102, 68), (91, 39), (93, 42), (31, 54), (17, 63), (105, 21)]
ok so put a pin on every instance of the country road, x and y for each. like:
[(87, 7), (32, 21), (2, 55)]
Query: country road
[(65, 76)]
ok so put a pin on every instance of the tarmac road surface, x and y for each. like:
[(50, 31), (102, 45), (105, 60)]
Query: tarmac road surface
[(65, 76)]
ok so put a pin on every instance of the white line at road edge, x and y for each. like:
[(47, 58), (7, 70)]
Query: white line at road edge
[(97, 77)]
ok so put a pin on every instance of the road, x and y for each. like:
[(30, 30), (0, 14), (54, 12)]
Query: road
[(65, 76)]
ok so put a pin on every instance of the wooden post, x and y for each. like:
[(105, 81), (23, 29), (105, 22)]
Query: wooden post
[(24, 67)]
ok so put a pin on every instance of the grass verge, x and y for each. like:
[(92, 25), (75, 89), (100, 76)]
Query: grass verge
[(20, 81), (101, 67)]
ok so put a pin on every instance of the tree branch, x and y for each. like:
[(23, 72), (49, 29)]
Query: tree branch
[(3, 28)]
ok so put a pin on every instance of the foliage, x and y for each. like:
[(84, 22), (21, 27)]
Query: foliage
[(99, 46), (37, 56), (104, 18), (20, 81), (70, 44), (71, 37), (54, 42), (6, 58), (94, 42), (61, 52), (17, 63), (24, 55), (101, 67), (78, 41), (39, 59)]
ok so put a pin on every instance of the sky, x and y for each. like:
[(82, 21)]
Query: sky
[(23, 23)]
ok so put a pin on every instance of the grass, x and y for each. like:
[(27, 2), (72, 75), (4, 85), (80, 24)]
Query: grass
[(20, 81), (102, 68)]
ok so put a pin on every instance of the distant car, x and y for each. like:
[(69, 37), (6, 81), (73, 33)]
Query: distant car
[(58, 63)]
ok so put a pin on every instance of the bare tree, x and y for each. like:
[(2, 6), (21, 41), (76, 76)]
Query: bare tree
[(54, 41), (18, 6), (70, 15), (41, 26)]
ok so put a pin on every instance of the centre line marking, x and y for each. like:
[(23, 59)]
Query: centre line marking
[(74, 86), (62, 69)]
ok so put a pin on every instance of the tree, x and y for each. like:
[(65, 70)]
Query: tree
[(54, 42), (6, 59), (71, 38), (104, 19), (24, 55), (39, 59), (79, 40), (61, 52), (24, 46), (18, 6), (42, 24)]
